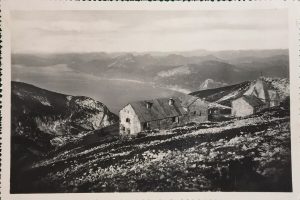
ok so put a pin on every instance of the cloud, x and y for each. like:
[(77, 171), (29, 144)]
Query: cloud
[(88, 31), (53, 70), (222, 21), (62, 27), (66, 27)]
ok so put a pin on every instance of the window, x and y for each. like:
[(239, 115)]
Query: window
[(200, 113), (122, 129), (194, 113), (128, 131), (175, 119), (146, 125), (148, 105), (171, 102), (127, 120)]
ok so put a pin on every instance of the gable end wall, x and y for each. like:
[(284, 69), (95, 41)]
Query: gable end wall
[(134, 126), (241, 108)]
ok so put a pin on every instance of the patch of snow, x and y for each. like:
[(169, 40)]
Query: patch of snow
[(69, 98), (88, 103), (42, 100), (45, 103)]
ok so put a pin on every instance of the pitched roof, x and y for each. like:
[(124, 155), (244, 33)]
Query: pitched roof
[(160, 108), (217, 105), (186, 100), (263, 87), (253, 100)]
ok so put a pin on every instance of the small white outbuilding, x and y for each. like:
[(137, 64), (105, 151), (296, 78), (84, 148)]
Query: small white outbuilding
[(260, 95), (246, 105)]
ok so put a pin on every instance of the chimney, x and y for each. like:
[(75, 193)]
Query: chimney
[(148, 105), (171, 102)]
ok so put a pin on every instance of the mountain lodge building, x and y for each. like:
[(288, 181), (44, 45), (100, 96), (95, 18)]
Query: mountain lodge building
[(259, 96), (163, 113)]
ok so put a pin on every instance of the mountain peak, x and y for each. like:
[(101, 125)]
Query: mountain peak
[(210, 84)]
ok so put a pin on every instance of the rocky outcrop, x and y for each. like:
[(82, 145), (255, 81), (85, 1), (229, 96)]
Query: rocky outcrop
[(40, 115), (224, 95)]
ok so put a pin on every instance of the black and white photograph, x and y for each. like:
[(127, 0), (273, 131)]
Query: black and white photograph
[(106, 101)]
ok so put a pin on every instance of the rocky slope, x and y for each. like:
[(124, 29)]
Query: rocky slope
[(224, 95), (42, 120), (242, 154)]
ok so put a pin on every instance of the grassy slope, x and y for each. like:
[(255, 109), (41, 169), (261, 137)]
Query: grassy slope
[(250, 154)]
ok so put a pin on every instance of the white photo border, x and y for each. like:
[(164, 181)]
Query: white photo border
[(293, 8)]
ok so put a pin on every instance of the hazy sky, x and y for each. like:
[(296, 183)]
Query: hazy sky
[(111, 31)]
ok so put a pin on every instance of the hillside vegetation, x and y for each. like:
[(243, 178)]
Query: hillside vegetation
[(43, 121), (245, 154), (63, 143)]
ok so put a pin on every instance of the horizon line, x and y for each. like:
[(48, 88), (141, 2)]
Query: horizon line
[(145, 52)]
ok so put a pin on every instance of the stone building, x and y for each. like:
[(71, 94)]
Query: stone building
[(163, 113), (266, 93), (247, 105), (259, 96), (218, 112)]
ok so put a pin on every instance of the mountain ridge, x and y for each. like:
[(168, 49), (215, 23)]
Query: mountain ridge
[(148, 66), (39, 115)]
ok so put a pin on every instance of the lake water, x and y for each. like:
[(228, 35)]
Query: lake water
[(114, 93)]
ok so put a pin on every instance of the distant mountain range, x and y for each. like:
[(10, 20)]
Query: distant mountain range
[(185, 70)]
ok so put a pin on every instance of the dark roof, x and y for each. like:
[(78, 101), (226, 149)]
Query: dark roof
[(160, 108), (187, 100), (266, 87), (253, 100)]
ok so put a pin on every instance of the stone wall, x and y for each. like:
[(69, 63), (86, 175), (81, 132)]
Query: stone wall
[(167, 123), (131, 127), (241, 108), (198, 112), (130, 123), (274, 98), (258, 89)]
